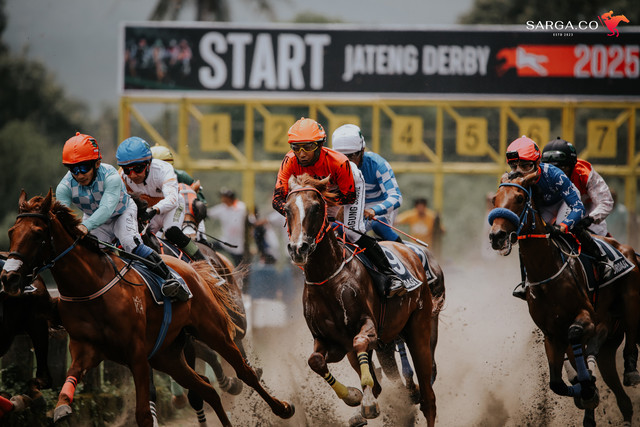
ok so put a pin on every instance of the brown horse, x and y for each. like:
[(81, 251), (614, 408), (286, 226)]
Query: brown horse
[(344, 313), (29, 313), (108, 317), (559, 302)]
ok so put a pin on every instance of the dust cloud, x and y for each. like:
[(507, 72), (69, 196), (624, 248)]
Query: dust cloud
[(492, 370)]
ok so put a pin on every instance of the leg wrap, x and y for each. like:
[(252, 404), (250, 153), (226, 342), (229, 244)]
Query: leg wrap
[(177, 237), (69, 387), (365, 373), (339, 388)]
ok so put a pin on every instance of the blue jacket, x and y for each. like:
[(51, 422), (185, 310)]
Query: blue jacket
[(554, 186), (381, 187)]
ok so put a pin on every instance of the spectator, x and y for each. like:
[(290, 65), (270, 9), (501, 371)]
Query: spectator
[(423, 222), (232, 214)]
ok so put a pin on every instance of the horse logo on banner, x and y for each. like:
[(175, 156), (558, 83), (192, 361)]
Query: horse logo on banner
[(611, 22)]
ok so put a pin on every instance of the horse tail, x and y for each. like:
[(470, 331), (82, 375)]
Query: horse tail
[(219, 292)]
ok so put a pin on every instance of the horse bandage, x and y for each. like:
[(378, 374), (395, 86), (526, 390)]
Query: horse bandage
[(69, 387), (339, 388), (365, 373)]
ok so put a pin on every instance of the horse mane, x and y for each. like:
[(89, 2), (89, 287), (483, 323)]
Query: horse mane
[(65, 215), (306, 180), (221, 294)]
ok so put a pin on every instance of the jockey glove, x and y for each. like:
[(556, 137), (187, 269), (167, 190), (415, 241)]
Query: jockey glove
[(148, 214), (557, 229), (585, 222)]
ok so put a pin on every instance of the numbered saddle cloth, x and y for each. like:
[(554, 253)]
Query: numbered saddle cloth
[(620, 264)]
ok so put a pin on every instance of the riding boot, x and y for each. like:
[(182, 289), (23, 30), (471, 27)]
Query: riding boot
[(188, 246), (520, 291), (590, 247), (393, 284), (171, 287)]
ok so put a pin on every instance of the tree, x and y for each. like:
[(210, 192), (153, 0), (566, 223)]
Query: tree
[(505, 12), (206, 10)]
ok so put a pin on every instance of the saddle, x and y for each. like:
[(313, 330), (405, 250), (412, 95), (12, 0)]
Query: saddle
[(621, 265), (399, 268), (154, 282)]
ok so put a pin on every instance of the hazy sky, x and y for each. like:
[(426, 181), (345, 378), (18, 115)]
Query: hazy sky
[(78, 39)]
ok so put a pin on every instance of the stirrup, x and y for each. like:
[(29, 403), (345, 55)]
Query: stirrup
[(173, 289), (520, 291)]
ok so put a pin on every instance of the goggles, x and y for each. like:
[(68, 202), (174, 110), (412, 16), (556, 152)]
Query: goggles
[(555, 157), (81, 168), (307, 147), (136, 167), (523, 166)]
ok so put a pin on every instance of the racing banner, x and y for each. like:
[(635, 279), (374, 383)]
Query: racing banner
[(222, 59)]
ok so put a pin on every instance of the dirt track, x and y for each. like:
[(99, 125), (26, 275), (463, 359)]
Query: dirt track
[(491, 368)]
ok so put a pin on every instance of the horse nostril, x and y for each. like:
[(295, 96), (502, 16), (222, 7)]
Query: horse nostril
[(498, 235), (304, 247)]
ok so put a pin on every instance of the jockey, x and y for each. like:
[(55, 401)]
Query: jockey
[(186, 187), (155, 181), (308, 155), (382, 195), (594, 191), (557, 198), (108, 211)]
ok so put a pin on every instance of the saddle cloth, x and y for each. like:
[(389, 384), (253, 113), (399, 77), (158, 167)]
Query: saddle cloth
[(154, 282), (621, 265), (399, 268)]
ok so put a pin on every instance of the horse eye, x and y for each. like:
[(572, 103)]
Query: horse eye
[(519, 198)]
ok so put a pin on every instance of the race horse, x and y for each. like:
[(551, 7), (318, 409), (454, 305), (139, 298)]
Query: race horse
[(344, 312), (108, 317), (28, 313), (584, 325)]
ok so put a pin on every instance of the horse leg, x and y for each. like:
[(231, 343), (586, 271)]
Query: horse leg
[(585, 364), (224, 345), (419, 343), (318, 364), (153, 398), (231, 385), (83, 358), (407, 373), (433, 343), (195, 400), (176, 366), (240, 345), (39, 334), (363, 343), (607, 366)]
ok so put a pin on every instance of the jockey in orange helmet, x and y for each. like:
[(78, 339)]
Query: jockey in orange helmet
[(309, 155), (108, 211)]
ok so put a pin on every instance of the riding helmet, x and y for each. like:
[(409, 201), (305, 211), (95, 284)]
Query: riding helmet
[(347, 139), (133, 150), (559, 152), (523, 148), (80, 148)]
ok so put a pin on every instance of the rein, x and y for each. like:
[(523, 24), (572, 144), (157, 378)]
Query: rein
[(520, 221)]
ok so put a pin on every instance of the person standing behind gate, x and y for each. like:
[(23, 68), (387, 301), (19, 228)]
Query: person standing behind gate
[(232, 214), (423, 222), (382, 195)]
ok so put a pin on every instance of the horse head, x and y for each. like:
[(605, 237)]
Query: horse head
[(29, 247), (306, 210), (511, 205)]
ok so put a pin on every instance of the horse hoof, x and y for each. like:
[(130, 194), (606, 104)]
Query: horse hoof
[(357, 421), (234, 386), (631, 378), (61, 412), (289, 411), (20, 403), (371, 411), (591, 403), (354, 398)]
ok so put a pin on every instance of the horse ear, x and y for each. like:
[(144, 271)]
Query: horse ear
[(504, 177), (529, 179), (323, 183), (46, 203), (22, 199), (293, 182)]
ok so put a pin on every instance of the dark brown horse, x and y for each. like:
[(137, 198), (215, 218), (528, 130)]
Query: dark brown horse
[(558, 300), (344, 312), (31, 314), (108, 317)]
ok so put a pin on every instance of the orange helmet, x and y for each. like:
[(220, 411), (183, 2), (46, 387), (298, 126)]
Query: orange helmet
[(80, 148), (306, 130), (523, 148)]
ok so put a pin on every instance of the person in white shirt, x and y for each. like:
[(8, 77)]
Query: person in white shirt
[(232, 214)]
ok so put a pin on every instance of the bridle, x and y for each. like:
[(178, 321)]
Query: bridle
[(325, 222), (45, 264)]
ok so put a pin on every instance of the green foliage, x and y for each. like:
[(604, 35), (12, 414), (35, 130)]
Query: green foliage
[(505, 12)]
